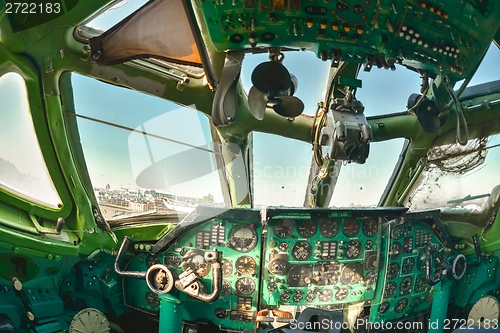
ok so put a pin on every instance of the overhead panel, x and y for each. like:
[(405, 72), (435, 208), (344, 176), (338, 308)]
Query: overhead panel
[(450, 35)]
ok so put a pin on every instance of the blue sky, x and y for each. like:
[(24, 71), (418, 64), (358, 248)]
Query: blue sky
[(282, 164)]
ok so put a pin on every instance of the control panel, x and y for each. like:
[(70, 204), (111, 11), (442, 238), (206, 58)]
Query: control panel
[(319, 258), (375, 32), (404, 289), (240, 242)]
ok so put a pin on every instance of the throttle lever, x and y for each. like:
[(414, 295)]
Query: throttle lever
[(188, 281)]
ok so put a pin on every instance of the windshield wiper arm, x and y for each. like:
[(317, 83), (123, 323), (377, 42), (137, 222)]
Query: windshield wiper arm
[(468, 198)]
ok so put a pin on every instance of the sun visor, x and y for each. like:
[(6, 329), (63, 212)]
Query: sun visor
[(159, 29)]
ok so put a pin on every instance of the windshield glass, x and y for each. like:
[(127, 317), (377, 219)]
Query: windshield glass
[(457, 176), (139, 153)]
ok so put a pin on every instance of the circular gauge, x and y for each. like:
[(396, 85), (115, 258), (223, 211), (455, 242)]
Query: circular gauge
[(285, 296), (227, 289), (297, 297), (245, 265), (172, 259), (383, 307), (306, 228), (395, 250), (370, 278), (353, 249), (325, 295), (390, 289), (283, 228), (398, 232), (152, 299), (227, 268), (370, 227), (242, 238), (310, 297), (352, 273), (371, 260), (301, 251), (392, 271), (272, 286), (421, 284), (406, 285), (368, 244), (408, 265), (195, 259), (245, 286), (401, 305), (341, 294), (278, 265), (329, 228), (152, 260), (350, 227), (283, 246)]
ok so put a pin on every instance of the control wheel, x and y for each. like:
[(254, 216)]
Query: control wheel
[(159, 279), (485, 309), (89, 320)]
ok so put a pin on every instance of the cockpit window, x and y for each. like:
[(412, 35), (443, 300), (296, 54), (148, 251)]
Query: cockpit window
[(144, 153), (457, 176), (23, 171), (114, 14), (362, 185)]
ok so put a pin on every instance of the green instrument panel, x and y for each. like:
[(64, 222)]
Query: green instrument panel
[(300, 257), (449, 35), (240, 242), (404, 291), (321, 258)]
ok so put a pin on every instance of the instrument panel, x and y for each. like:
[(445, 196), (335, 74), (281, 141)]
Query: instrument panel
[(405, 291), (240, 242), (319, 257), (443, 35), (299, 257)]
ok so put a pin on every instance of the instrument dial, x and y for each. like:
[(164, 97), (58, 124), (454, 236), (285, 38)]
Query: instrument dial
[(390, 289), (408, 265), (421, 284), (245, 286), (195, 259), (325, 295), (395, 250), (278, 265), (371, 260), (401, 305), (393, 270), (352, 273), (329, 228), (370, 227), (283, 246), (227, 268), (172, 259), (406, 285), (353, 249), (152, 299), (301, 251), (350, 227), (272, 286), (227, 289), (285, 296), (310, 297), (283, 228), (306, 228), (398, 232), (297, 297), (341, 294), (242, 238), (246, 265), (383, 307), (370, 278)]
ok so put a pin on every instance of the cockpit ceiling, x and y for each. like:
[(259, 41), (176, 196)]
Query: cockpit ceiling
[(159, 29)]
